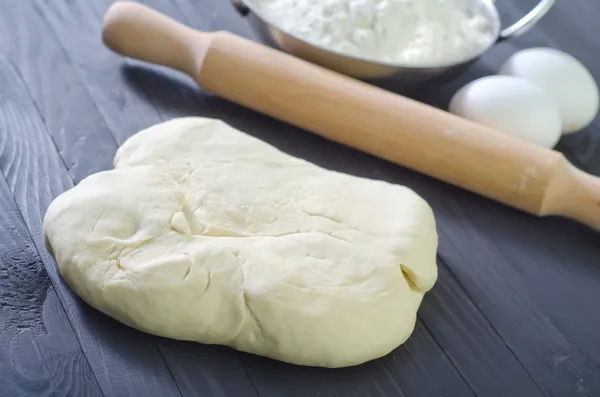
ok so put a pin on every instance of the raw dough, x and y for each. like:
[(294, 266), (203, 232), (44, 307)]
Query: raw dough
[(203, 233)]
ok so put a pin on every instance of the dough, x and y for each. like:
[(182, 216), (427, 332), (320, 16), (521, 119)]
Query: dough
[(203, 233)]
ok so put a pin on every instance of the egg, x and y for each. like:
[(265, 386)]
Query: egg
[(566, 80), (511, 105)]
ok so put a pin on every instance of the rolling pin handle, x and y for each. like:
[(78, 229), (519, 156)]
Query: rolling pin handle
[(574, 194), (137, 31)]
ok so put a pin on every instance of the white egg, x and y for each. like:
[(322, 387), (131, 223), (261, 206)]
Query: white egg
[(511, 105), (566, 79)]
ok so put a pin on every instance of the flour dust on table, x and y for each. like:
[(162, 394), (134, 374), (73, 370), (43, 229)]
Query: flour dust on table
[(203, 233), (411, 32)]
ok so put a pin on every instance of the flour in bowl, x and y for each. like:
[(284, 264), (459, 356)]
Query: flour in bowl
[(413, 32)]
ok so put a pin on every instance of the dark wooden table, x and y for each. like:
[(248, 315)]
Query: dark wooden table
[(515, 311)]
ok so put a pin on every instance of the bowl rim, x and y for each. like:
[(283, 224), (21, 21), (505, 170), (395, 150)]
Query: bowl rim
[(489, 4)]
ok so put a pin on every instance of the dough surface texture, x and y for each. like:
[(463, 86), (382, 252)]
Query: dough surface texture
[(203, 233)]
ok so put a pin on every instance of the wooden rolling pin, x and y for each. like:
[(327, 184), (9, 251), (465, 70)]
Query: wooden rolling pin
[(533, 179)]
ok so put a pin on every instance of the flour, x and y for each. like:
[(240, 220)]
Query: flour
[(394, 31)]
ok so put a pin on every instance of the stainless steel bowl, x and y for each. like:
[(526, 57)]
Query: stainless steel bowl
[(377, 71)]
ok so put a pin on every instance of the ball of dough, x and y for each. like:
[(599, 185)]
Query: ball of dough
[(566, 80), (203, 233), (511, 105)]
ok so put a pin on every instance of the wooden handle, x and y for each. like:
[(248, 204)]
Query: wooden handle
[(395, 128), (574, 194), (140, 32)]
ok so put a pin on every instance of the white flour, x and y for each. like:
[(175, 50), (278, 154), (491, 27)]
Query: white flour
[(396, 31)]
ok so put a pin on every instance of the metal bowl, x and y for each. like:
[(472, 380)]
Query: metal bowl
[(371, 70)]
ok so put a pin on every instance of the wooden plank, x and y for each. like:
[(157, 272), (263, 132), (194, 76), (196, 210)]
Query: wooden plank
[(472, 343), (23, 280), (181, 98), (512, 378), (123, 360), (116, 109), (22, 370), (71, 373), (423, 368), (501, 259), (194, 102), (276, 379), (39, 353), (552, 263), (504, 260), (61, 99), (538, 290), (533, 278), (453, 224), (187, 100), (556, 344), (209, 16), (126, 111)]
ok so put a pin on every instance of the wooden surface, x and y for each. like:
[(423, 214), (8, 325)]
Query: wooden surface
[(515, 310), (373, 120)]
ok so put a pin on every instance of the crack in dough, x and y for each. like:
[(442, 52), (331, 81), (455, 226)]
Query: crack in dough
[(206, 234)]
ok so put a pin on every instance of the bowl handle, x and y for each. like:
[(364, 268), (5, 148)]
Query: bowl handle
[(527, 22), (240, 7)]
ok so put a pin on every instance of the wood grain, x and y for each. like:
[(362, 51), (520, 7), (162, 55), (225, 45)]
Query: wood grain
[(406, 132), (182, 111), (538, 364), (185, 370), (39, 352), (187, 362), (61, 99), (498, 256), (179, 99), (513, 312), (111, 101), (36, 174), (194, 102)]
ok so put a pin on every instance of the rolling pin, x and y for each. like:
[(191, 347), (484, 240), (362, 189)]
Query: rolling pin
[(434, 142)]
